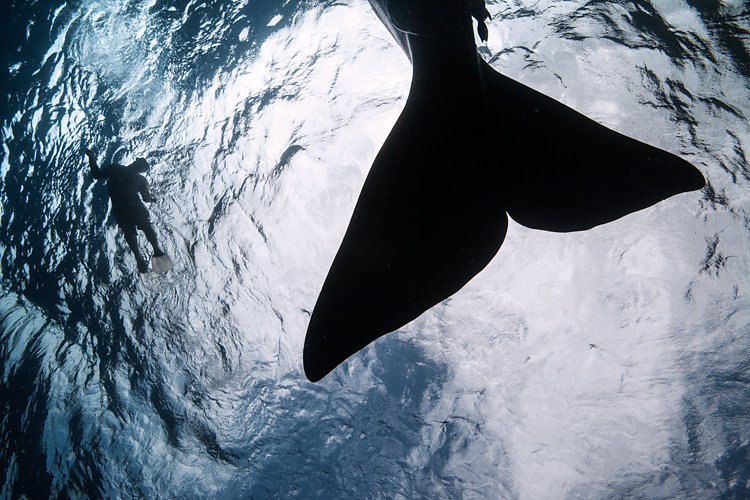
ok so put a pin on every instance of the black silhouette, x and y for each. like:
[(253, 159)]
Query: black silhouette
[(470, 146), (124, 184)]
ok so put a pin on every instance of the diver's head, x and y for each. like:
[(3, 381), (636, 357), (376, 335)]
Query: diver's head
[(140, 165)]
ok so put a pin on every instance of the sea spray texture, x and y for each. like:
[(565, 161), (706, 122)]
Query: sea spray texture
[(600, 364)]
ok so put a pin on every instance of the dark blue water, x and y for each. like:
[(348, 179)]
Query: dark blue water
[(606, 364)]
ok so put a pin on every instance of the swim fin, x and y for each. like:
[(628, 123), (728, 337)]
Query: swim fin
[(161, 263)]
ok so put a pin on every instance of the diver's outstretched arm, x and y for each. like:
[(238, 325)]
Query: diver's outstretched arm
[(95, 170)]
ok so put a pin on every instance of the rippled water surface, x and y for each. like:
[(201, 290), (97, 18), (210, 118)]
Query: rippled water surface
[(611, 363)]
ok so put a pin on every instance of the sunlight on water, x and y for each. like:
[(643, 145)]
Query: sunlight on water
[(609, 363)]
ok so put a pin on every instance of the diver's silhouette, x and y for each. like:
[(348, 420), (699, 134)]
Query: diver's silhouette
[(124, 184)]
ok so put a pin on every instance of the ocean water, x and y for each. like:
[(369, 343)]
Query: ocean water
[(611, 363)]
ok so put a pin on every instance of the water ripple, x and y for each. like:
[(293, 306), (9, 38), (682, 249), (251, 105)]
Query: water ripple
[(602, 364)]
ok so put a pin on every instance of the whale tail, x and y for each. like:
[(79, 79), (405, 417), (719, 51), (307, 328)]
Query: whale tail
[(429, 218), (569, 172), (432, 211)]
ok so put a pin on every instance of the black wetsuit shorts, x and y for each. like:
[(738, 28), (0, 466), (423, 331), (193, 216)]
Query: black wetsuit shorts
[(131, 216)]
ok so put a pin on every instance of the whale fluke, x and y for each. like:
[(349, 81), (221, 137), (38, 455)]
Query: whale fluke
[(470, 147)]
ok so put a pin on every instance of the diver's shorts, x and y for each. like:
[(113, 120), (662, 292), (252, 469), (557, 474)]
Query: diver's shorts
[(131, 217)]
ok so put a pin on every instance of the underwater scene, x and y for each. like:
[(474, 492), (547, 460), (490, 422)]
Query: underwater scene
[(607, 363)]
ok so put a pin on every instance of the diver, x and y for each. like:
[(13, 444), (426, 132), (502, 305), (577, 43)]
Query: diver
[(123, 185)]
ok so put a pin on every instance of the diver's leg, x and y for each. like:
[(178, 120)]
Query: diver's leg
[(145, 226), (132, 239)]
